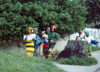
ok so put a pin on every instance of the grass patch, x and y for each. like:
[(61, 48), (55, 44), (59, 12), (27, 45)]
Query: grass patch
[(84, 61), (16, 61), (95, 48)]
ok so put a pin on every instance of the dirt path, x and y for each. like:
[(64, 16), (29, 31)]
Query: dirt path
[(76, 68)]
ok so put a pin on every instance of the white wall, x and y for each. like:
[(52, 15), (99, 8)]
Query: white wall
[(60, 45), (95, 33)]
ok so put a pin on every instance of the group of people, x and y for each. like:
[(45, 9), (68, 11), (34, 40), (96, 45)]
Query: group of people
[(84, 36), (49, 38), (48, 41)]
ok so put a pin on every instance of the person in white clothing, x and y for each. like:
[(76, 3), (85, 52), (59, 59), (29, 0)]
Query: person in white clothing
[(80, 35), (28, 39), (46, 42), (88, 39), (45, 33)]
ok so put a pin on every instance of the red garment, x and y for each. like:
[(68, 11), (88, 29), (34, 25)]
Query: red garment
[(76, 37), (80, 32), (53, 26), (45, 45)]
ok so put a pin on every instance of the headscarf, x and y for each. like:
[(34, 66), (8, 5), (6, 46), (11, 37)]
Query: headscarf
[(85, 31), (53, 26), (30, 29)]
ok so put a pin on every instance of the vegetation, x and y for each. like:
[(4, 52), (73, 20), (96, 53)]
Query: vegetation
[(78, 61), (16, 15), (93, 15), (17, 61), (95, 48)]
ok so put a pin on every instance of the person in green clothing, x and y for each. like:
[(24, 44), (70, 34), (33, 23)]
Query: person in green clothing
[(88, 39), (53, 37)]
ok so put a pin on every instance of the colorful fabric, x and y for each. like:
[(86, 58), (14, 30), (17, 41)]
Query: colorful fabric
[(35, 30), (87, 32), (29, 48), (53, 36), (35, 52), (37, 42), (53, 26), (48, 28), (29, 28), (51, 53), (45, 36), (88, 39), (89, 47), (29, 37), (79, 38), (76, 38), (45, 45), (94, 42), (80, 32), (52, 45)]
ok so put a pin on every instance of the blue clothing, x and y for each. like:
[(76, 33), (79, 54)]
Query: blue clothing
[(37, 42)]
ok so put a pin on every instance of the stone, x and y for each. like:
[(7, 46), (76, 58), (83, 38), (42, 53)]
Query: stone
[(74, 48)]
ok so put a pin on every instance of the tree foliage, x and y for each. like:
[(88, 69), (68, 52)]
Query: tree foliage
[(93, 11), (16, 15)]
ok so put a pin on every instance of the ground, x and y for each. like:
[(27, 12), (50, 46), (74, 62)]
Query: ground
[(76, 68)]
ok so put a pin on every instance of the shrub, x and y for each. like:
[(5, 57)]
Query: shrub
[(78, 61), (16, 15)]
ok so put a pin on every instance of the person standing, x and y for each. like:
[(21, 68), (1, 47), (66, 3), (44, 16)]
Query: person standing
[(28, 39), (46, 42), (37, 42), (80, 37), (88, 39), (53, 37)]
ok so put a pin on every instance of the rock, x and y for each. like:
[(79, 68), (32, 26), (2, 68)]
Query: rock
[(74, 48)]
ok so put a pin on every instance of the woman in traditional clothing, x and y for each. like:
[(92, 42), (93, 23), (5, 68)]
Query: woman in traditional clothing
[(53, 37), (28, 39), (37, 42), (46, 42)]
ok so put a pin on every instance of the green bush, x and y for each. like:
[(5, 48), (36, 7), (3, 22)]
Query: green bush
[(78, 61), (95, 48), (17, 61), (16, 15)]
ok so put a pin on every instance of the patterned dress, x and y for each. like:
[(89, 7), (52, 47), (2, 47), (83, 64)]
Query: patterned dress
[(29, 44), (29, 47), (53, 37), (37, 42)]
